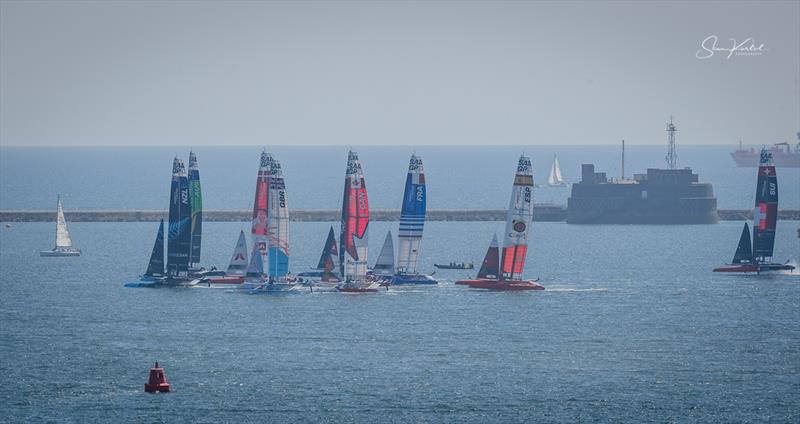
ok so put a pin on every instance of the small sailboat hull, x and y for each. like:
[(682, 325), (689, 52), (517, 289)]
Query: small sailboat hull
[(228, 280), (60, 252), (502, 285), (458, 266)]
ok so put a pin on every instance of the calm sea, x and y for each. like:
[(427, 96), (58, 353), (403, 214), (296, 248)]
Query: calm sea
[(458, 176), (633, 326)]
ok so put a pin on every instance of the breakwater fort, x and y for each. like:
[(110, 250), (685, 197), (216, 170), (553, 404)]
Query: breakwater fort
[(542, 213)]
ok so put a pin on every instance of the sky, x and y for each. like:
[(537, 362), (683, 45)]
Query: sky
[(395, 73)]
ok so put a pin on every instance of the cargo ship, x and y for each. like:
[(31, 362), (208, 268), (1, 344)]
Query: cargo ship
[(661, 196), (782, 155)]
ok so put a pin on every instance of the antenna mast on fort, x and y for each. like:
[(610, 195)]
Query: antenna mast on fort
[(672, 156)]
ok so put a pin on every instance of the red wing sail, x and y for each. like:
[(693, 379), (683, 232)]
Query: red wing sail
[(355, 222), (260, 230)]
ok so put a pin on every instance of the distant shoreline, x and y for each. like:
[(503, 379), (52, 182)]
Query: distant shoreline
[(542, 213)]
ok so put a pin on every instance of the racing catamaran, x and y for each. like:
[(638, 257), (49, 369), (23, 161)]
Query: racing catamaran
[(412, 221), (507, 275), (765, 216), (354, 230)]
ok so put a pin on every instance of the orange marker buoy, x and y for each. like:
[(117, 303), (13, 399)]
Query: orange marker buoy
[(157, 381)]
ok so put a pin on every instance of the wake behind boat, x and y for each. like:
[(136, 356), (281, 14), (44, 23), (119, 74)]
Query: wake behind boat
[(503, 272), (63, 246), (757, 259)]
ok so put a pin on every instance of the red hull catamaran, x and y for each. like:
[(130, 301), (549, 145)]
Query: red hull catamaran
[(756, 258), (503, 270)]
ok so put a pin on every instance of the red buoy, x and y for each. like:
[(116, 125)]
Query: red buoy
[(157, 381)]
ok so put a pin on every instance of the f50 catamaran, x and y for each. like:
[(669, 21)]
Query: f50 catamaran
[(412, 222), (503, 270), (765, 215), (63, 245), (271, 225), (354, 230)]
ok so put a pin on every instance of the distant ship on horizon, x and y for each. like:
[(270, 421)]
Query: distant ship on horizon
[(782, 155)]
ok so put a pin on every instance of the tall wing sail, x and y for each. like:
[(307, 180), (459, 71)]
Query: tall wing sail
[(385, 263), (62, 233), (412, 217), (179, 234), (156, 264), (744, 252), (355, 222), (259, 231), (490, 268), (238, 264), (518, 221), (277, 223), (196, 203), (765, 214)]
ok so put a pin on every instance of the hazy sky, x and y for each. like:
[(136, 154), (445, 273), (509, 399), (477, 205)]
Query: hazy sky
[(207, 73)]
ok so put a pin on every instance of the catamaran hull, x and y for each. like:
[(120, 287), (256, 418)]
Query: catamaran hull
[(356, 289), (59, 252), (412, 280), (502, 285), (227, 280), (754, 268)]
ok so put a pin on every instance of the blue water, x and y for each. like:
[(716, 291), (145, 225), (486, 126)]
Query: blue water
[(457, 176), (633, 327)]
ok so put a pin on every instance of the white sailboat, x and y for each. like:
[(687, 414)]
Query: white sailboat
[(555, 179), (63, 245)]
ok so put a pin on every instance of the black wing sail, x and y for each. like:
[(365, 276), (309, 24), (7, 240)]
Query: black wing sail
[(765, 213), (744, 253), (156, 264)]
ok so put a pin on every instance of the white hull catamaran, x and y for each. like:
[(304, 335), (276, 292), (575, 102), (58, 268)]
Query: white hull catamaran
[(63, 245), (271, 226), (354, 231)]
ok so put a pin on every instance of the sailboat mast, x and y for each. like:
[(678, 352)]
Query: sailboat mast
[(623, 159)]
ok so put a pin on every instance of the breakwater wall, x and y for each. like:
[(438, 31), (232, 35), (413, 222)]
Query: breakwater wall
[(553, 213)]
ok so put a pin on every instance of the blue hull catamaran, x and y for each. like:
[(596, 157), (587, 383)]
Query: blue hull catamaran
[(63, 245), (758, 259), (271, 227), (412, 222)]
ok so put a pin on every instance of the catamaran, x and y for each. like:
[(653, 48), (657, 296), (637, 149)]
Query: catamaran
[(508, 272), (354, 231), (271, 225), (412, 222), (555, 179), (765, 215), (63, 245)]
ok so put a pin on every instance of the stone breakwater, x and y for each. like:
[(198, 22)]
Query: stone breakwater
[(553, 213)]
